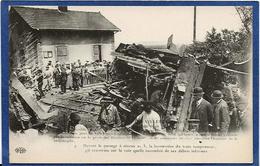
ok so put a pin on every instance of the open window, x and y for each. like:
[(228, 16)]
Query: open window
[(47, 54)]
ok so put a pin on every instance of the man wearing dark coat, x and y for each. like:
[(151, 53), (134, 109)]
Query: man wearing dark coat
[(75, 78), (202, 111), (221, 113), (63, 79), (57, 75)]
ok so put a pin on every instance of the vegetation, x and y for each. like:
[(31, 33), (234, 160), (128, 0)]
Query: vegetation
[(226, 45)]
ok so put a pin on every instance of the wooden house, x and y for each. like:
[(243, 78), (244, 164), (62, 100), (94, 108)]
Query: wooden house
[(41, 35)]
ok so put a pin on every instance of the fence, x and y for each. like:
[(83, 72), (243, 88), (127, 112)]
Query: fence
[(96, 75)]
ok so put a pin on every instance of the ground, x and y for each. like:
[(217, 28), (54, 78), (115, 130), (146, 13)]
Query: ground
[(86, 102)]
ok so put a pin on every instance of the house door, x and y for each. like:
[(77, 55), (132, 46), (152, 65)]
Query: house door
[(97, 53)]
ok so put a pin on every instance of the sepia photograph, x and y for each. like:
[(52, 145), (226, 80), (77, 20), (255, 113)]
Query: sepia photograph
[(115, 84)]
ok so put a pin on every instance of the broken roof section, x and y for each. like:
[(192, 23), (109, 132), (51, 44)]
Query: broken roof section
[(144, 58), (45, 19), (238, 68), (241, 66)]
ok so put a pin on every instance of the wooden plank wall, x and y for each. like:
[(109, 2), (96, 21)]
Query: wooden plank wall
[(197, 76), (191, 73), (24, 93), (30, 40)]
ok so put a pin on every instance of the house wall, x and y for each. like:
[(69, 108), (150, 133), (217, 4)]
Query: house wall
[(23, 41), (80, 45), (84, 52), (27, 46)]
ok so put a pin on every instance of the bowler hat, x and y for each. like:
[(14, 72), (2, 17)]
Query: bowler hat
[(217, 94), (197, 91)]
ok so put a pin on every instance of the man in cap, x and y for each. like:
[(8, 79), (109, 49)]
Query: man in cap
[(151, 122), (109, 117), (221, 114), (201, 110)]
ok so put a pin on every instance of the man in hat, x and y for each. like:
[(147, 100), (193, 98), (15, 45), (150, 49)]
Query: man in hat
[(151, 122), (57, 75), (47, 79), (63, 79), (75, 77), (137, 108), (74, 126), (221, 114), (39, 79), (109, 117), (201, 110)]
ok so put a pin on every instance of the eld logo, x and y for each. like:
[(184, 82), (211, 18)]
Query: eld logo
[(20, 150)]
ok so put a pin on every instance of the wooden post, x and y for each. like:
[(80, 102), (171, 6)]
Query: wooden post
[(146, 84), (196, 77), (194, 23)]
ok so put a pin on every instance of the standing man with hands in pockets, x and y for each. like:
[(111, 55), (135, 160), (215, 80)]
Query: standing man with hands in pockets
[(202, 111), (221, 113)]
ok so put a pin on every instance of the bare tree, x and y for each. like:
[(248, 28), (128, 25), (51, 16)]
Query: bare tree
[(246, 15)]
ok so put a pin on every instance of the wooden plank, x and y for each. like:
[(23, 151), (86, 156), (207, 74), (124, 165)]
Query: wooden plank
[(196, 79), (200, 75), (70, 108), (25, 94), (181, 76), (187, 67), (184, 116)]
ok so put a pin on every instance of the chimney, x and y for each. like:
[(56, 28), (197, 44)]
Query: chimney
[(63, 8)]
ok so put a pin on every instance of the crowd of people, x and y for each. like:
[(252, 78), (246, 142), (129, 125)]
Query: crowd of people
[(64, 76), (205, 118)]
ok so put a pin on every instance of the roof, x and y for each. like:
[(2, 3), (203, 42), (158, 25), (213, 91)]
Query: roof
[(44, 19)]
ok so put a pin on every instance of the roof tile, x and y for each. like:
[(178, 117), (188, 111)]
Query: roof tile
[(39, 18)]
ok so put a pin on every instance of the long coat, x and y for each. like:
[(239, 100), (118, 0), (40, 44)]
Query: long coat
[(204, 113), (221, 116)]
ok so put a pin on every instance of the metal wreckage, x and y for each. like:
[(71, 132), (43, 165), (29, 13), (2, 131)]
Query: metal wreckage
[(159, 75)]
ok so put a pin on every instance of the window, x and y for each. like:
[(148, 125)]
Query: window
[(97, 53), (47, 54), (62, 51)]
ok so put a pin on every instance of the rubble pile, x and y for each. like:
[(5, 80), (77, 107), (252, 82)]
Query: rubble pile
[(137, 75)]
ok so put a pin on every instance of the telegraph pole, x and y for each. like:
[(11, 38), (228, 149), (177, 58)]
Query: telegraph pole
[(194, 24)]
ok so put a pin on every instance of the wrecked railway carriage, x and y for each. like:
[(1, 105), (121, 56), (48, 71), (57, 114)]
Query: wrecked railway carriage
[(163, 77), (157, 75)]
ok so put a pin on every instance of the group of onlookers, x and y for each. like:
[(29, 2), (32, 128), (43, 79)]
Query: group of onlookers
[(61, 75), (209, 118), (205, 118)]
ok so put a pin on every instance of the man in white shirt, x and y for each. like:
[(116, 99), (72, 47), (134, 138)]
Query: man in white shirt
[(151, 122), (75, 127)]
